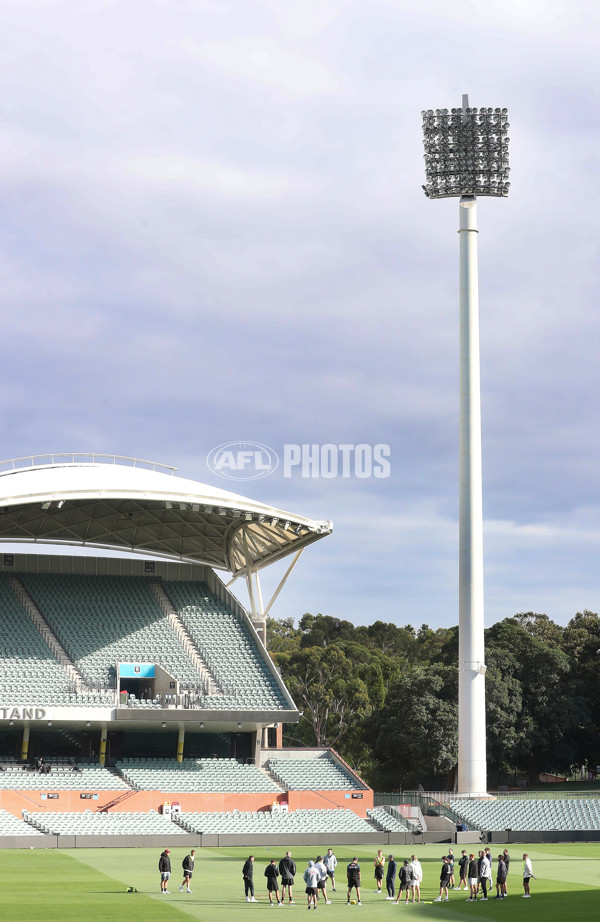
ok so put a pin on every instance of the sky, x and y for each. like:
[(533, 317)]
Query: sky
[(212, 230)]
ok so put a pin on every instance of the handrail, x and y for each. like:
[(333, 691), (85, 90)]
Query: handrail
[(445, 797), (93, 457)]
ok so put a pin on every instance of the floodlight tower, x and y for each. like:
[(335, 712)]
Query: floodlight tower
[(466, 155)]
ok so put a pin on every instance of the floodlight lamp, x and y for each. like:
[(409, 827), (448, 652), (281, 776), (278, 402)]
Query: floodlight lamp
[(248, 516), (222, 511), (465, 151)]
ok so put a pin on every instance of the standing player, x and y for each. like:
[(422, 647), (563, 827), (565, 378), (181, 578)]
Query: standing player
[(311, 879), (390, 877), (500, 878), (417, 877), (353, 873), (479, 863), (451, 883), (444, 881), (164, 866), (379, 863), (322, 881), (507, 863), (405, 880), (272, 873), (330, 862), (485, 875), (248, 878), (188, 869), (472, 877), (463, 864), (287, 869), (527, 875)]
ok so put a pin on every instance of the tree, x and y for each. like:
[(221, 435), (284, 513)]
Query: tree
[(322, 630), (389, 639), (328, 690), (539, 734), (542, 627), (282, 636), (582, 644), (414, 736)]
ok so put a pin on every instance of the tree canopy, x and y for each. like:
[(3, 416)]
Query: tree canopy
[(386, 697)]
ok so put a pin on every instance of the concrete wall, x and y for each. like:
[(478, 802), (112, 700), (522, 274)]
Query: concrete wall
[(501, 837), (28, 841), (440, 824), (375, 840)]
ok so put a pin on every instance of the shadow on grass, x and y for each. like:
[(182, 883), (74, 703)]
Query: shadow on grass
[(575, 905)]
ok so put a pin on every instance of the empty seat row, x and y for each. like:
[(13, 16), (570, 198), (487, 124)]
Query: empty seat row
[(312, 774), (103, 824), (524, 814), (315, 822), (387, 822), (196, 776), (228, 648)]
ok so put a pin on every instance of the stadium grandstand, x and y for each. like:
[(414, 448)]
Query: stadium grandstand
[(137, 696)]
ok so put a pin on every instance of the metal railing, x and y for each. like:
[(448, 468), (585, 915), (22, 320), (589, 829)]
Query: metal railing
[(86, 457), (444, 797)]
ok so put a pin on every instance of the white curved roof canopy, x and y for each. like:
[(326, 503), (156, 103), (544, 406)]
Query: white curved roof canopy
[(131, 508)]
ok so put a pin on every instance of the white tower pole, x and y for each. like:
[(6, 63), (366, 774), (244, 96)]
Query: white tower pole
[(472, 767), (466, 155)]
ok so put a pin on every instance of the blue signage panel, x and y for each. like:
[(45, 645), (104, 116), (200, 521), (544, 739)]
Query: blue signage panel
[(136, 670)]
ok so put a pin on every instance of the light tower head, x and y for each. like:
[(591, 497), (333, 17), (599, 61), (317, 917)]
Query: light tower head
[(466, 151)]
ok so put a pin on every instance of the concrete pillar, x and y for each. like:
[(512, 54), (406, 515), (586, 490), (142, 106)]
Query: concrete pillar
[(25, 743), (102, 754)]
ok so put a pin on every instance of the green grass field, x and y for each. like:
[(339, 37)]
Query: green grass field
[(89, 885)]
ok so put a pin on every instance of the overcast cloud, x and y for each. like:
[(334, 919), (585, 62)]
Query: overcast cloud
[(212, 229)]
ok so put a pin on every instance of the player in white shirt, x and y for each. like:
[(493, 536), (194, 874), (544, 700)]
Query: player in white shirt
[(485, 876), (417, 877), (311, 879), (527, 875), (330, 862), (322, 882)]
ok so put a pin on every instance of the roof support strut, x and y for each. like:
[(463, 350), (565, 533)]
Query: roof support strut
[(283, 582)]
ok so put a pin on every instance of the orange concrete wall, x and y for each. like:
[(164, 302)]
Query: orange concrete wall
[(331, 800), (69, 801)]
